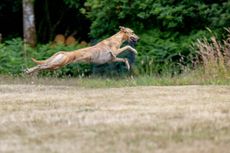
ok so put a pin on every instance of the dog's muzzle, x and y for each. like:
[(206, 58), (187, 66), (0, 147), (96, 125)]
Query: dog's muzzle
[(133, 40)]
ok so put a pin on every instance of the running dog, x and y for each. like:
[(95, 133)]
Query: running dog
[(103, 52)]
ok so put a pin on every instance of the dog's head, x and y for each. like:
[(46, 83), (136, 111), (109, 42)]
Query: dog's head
[(129, 35)]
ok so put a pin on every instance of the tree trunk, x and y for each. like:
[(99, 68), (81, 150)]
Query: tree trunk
[(29, 31)]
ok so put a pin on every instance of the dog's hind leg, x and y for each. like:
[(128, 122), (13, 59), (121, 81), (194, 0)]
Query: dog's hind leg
[(47, 60), (53, 63), (41, 67), (32, 70)]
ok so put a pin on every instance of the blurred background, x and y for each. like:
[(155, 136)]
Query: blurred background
[(168, 30)]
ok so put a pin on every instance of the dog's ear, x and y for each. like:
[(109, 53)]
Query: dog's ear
[(122, 28)]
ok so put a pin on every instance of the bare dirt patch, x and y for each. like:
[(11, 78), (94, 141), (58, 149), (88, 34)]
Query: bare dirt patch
[(188, 119)]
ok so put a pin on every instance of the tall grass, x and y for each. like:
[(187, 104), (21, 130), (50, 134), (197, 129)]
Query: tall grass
[(214, 56)]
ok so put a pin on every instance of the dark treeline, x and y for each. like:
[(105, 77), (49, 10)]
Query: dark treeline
[(51, 18)]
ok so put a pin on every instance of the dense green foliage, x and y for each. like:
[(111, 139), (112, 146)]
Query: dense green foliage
[(174, 16), (16, 57), (166, 28)]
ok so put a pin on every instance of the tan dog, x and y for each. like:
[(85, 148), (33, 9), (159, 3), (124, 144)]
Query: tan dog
[(103, 52)]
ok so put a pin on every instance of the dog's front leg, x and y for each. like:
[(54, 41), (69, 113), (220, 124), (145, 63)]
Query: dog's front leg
[(120, 50), (124, 60)]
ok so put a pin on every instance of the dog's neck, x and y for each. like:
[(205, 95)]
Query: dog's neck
[(120, 36), (115, 40), (118, 39)]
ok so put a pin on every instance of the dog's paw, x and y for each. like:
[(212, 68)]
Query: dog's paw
[(127, 64), (26, 71), (134, 51)]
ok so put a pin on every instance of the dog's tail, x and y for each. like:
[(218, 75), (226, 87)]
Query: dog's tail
[(38, 62)]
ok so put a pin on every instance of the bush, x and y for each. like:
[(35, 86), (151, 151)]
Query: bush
[(12, 57), (165, 52)]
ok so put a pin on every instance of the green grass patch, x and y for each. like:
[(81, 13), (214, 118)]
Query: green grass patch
[(192, 78)]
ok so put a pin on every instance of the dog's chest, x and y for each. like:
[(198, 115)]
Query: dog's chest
[(101, 56)]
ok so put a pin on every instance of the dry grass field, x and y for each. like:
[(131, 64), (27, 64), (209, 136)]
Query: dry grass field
[(70, 119)]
